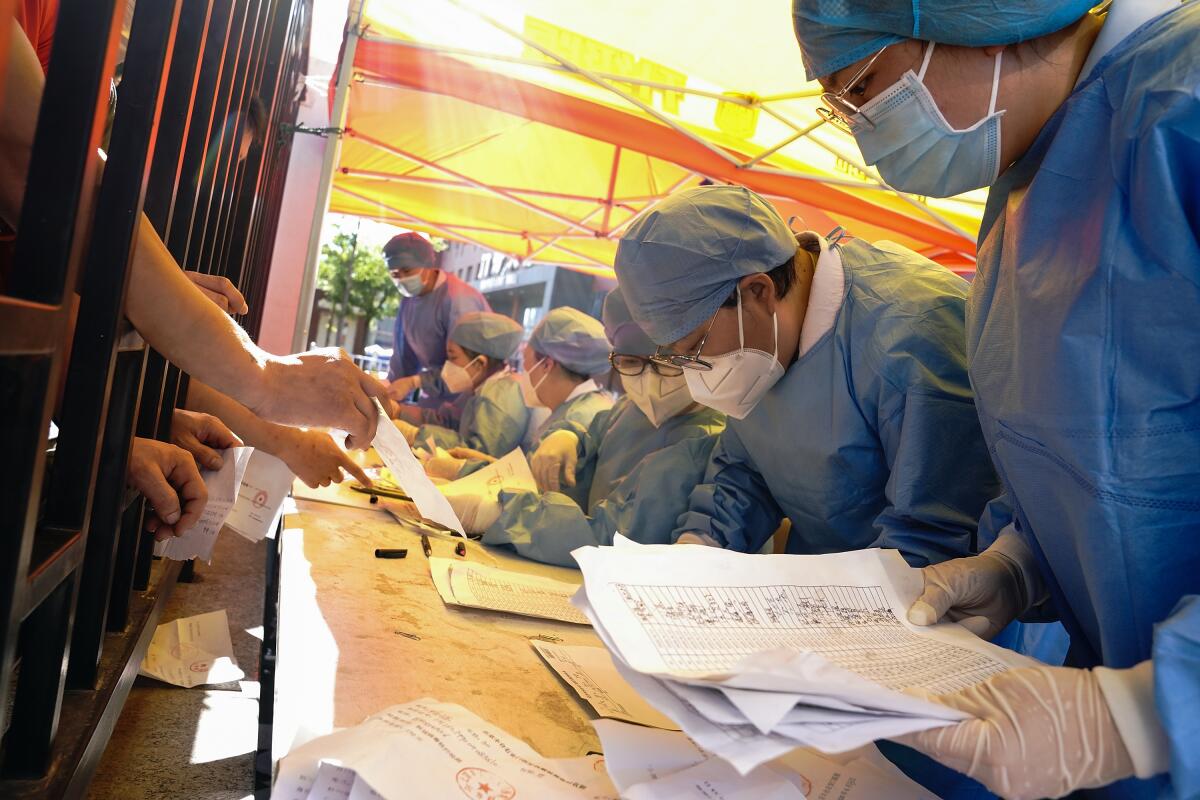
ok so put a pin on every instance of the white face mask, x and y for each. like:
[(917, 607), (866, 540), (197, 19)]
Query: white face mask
[(411, 286), (529, 388), (657, 396), (458, 379), (737, 380)]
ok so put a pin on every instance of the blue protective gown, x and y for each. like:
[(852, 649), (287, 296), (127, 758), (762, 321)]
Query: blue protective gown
[(424, 322), (575, 415), (493, 419), (870, 439), (636, 478), (1084, 336)]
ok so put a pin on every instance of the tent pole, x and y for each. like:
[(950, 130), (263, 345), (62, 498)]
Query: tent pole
[(337, 119)]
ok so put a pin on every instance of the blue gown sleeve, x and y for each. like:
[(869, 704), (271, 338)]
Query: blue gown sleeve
[(733, 505), (642, 505), (498, 422), (1176, 653)]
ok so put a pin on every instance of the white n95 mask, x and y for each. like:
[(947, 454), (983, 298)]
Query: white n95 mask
[(657, 396), (529, 388), (737, 380), (458, 379), (916, 150), (410, 286)]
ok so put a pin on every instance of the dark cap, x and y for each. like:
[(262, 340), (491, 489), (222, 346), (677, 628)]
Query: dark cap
[(406, 250)]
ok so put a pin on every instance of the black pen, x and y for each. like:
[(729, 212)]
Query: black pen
[(387, 552), (425, 545)]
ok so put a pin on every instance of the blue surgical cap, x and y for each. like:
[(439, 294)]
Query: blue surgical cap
[(625, 334), (573, 339), (487, 333), (678, 262), (836, 33)]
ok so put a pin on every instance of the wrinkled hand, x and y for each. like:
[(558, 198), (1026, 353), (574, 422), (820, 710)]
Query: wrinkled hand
[(220, 290), (401, 388), (316, 459), (1037, 732), (167, 477), (553, 465), (469, 454), (322, 388), (202, 435), (445, 467), (407, 430), (695, 537), (984, 593)]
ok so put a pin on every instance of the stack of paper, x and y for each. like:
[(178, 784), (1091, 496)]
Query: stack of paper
[(427, 750), (192, 651), (466, 583), (646, 764), (755, 655)]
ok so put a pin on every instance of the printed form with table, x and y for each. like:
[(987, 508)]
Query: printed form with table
[(651, 672)]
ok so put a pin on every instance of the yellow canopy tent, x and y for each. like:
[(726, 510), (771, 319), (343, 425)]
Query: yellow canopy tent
[(540, 128)]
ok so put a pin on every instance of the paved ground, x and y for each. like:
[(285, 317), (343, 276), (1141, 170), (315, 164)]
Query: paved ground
[(196, 743)]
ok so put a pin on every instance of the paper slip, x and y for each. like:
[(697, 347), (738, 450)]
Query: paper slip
[(265, 484), (392, 447), (223, 485), (754, 655), (510, 473), (645, 763), (467, 583), (192, 651), (428, 750), (590, 672)]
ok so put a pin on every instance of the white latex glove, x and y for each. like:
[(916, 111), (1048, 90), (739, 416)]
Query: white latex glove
[(476, 512), (1037, 732), (556, 456), (407, 430), (695, 537), (445, 467), (983, 592)]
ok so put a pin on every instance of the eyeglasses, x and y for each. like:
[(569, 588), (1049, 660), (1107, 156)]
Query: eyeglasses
[(682, 361), (838, 110), (631, 365)]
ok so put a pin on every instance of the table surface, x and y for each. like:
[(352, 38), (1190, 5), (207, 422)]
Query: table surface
[(341, 655)]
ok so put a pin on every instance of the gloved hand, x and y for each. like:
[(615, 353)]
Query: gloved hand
[(446, 467), (695, 537), (1038, 732), (476, 512), (407, 430), (983, 592), (553, 465), (471, 454)]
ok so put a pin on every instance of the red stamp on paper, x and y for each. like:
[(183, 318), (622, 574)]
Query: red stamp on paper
[(200, 666), (479, 784), (260, 499)]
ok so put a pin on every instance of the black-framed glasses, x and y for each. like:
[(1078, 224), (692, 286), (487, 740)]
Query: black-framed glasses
[(684, 361), (838, 110), (631, 365)]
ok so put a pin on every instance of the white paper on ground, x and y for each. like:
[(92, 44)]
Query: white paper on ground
[(265, 484), (223, 485), (468, 583), (429, 749), (393, 448), (590, 672), (192, 651)]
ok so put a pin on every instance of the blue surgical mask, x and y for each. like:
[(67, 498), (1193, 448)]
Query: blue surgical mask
[(916, 150), (411, 286)]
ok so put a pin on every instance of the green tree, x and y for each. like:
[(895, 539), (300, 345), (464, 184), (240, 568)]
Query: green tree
[(355, 281)]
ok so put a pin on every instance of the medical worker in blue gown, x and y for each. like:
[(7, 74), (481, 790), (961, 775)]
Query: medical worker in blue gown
[(1083, 332), (492, 413), (841, 367), (431, 302), (565, 349), (636, 464)]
